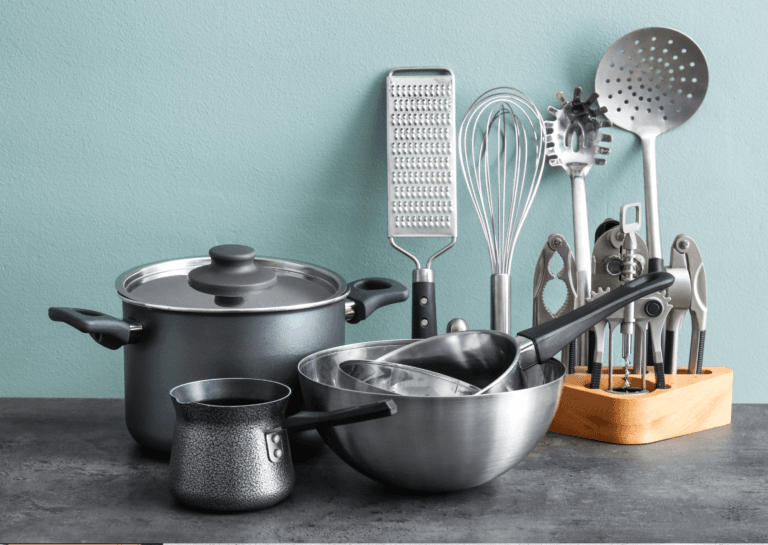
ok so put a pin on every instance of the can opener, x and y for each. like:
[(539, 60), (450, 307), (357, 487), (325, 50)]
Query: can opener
[(648, 314)]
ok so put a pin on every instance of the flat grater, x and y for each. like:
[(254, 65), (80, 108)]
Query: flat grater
[(421, 173)]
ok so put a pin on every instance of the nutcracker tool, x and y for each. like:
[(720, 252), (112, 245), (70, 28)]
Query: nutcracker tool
[(543, 275)]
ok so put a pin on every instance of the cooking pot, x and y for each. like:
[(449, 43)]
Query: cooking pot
[(228, 315)]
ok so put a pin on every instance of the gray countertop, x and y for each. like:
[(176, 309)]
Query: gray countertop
[(69, 472)]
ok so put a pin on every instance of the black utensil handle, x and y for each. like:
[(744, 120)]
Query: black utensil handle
[(655, 264), (550, 337), (649, 350), (658, 369), (572, 358), (105, 330), (310, 420), (597, 368), (591, 345), (370, 294), (669, 351), (424, 314), (700, 353)]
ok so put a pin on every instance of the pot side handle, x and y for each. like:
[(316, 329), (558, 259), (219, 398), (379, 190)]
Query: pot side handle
[(104, 329), (370, 294), (308, 420)]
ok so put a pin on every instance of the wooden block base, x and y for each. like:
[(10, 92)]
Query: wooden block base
[(689, 404)]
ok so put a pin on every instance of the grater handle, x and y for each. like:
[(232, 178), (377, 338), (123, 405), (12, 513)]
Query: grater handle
[(438, 71), (424, 310)]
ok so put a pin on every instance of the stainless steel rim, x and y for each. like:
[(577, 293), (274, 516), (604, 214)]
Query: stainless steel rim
[(231, 379), (169, 268)]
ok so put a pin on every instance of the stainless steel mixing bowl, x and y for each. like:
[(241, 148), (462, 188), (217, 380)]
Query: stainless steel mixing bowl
[(432, 443)]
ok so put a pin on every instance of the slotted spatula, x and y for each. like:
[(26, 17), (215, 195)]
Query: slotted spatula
[(651, 81)]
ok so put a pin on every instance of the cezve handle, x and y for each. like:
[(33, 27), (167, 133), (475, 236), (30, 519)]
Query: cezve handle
[(310, 420)]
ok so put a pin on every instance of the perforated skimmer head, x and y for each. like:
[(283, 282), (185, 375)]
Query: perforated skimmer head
[(652, 80)]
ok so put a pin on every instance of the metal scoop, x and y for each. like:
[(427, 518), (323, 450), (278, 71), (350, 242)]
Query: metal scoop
[(651, 81), (393, 378), (496, 362)]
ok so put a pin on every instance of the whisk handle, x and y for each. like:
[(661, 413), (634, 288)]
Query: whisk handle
[(424, 313)]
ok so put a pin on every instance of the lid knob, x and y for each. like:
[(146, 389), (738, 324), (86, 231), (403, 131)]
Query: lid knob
[(232, 273)]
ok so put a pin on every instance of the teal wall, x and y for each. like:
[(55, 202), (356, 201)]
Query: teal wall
[(136, 131)]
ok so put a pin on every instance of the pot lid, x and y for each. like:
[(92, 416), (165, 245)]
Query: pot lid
[(232, 279)]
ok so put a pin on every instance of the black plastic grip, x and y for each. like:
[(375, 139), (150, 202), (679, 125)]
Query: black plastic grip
[(104, 329), (310, 420), (655, 264), (649, 349), (604, 227), (424, 315), (700, 353), (572, 358), (550, 337), (597, 373), (591, 345), (669, 349), (658, 369), (370, 294)]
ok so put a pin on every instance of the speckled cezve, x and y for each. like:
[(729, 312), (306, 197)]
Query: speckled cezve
[(220, 461)]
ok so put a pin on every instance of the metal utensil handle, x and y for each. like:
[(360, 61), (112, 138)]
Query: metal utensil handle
[(582, 254), (310, 420), (438, 71), (501, 303), (698, 303), (581, 236), (697, 348), (655, 259)]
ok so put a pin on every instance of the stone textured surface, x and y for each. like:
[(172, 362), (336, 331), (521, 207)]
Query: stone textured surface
[(69, 472)]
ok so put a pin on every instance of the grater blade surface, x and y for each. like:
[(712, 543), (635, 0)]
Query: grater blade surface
[(421, 153)]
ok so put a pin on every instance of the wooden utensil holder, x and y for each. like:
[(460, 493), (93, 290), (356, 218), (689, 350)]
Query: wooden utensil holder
[(690, 403)]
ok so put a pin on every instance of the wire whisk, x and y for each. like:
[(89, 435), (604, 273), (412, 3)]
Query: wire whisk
[(502, 134)]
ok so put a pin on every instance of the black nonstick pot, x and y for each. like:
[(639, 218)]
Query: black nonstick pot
[(229, 315)]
